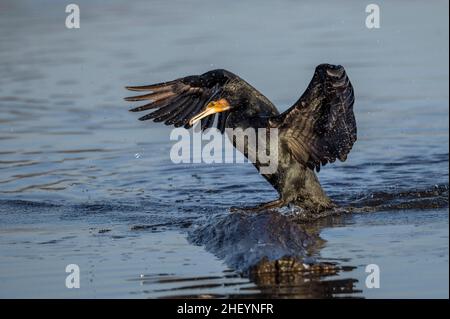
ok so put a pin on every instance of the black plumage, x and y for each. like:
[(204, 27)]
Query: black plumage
[(318, 129)]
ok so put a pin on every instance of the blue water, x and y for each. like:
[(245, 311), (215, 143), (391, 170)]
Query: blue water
[(74, 162)]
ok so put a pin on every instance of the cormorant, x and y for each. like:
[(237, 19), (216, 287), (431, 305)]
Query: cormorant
[(318, 129)]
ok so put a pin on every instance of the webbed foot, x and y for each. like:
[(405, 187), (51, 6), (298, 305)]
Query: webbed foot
[(263, 206)]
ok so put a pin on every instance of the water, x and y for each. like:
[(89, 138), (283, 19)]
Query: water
[(82, 181)]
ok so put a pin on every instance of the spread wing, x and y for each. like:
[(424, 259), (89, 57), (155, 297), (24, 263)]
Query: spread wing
[(320, 127), (177, 101)]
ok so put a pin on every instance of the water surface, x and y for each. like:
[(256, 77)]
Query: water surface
[(82, 181)]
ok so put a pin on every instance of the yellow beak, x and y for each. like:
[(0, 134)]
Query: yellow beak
[(212, 108)]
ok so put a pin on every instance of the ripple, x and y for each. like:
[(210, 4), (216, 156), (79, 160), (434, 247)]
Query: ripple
[(69, 142)]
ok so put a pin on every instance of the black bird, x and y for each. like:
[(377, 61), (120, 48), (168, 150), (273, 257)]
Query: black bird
[(318, 129)]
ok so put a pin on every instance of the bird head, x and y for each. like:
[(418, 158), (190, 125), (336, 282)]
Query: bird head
[(212, 107)]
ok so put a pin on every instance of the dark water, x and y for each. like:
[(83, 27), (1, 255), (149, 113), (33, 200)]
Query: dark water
[(82, 181)]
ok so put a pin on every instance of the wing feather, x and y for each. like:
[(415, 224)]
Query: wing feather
[(320, 127), (175, 102)]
